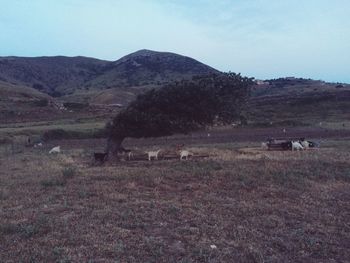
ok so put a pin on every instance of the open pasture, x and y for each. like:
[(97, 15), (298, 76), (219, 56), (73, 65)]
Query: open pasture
[(237, 205)]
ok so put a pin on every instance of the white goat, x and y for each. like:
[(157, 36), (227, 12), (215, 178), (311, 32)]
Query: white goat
[(264, 146), (56, 149), (296, 146), (305, 144), (130, 155), (153, 154), (38, 145), (184, 153)]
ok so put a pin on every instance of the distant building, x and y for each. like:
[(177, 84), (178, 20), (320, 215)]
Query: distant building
[(261, 82)]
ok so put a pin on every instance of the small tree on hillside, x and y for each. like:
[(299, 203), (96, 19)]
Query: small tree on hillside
[(180, 107)]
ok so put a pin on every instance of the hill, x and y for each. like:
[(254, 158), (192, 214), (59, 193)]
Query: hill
[(99, 81), (292, 86), (145, 68), (18, 102), (92, 90), (55, 76), (297, 101)]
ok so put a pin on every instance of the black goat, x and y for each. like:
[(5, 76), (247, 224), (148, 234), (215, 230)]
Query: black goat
[(286, 145), (313, 144), (100, 157)]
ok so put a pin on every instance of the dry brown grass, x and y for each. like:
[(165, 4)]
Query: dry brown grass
[(253, 206)]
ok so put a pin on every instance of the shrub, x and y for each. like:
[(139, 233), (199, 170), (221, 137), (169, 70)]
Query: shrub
[(3, 195), (41, 103), (69, 172), (38, 86), (60, 134), (55, 94), (28, 231), (9, 229), (75, 105)]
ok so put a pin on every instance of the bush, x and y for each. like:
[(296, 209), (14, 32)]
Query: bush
[(38, 86), (69, 172), (9, 229), (3, 195), (26, 230), (55, 134), (55, 94), (60, 134), (41, 103), (75, 105)]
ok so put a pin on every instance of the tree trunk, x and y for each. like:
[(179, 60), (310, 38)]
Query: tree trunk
[(114, 146)]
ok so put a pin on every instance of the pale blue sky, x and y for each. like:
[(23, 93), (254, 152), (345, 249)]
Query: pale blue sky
[(258, 38)]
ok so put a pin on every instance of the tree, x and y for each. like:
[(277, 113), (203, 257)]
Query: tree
[(180, 107)]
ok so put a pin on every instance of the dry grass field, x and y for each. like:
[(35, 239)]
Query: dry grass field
[(237, 205)]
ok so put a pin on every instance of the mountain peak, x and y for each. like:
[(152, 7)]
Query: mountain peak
[(144, 52), (58, 76)]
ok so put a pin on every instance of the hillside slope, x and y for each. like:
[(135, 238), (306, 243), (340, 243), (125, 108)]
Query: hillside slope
[(145, 67), (84, 79), (51, 75), (25, 84), (297, 101), (19, 102)]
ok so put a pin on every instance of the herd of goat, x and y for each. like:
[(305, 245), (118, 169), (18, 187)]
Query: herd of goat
[(270, 144), (102, 157), (151, 155), (294, 145)]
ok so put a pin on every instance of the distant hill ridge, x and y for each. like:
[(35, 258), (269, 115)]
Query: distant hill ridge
[(64, 76), (38, 88), (95, 81)]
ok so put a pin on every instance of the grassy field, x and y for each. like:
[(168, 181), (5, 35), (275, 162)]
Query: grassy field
[(235, 206), (41, 128)]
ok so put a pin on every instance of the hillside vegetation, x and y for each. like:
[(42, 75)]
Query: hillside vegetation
[(297, 101), (36, 89), (84, 78)]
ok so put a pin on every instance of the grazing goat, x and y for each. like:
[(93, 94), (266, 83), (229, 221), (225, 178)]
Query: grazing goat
[(264, 146), (184, 153), (101, 157), (153, 154), (287, 145), (296, 146), (305, 144), (56, 149), (179, 146), (313, 144)]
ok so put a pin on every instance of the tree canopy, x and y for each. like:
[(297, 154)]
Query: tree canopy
[(182, 107)]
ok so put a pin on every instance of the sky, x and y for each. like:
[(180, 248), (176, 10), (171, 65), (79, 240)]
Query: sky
[(263, 39)]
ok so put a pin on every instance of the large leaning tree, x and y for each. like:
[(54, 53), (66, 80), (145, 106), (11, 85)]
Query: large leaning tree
[(180, 107)]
